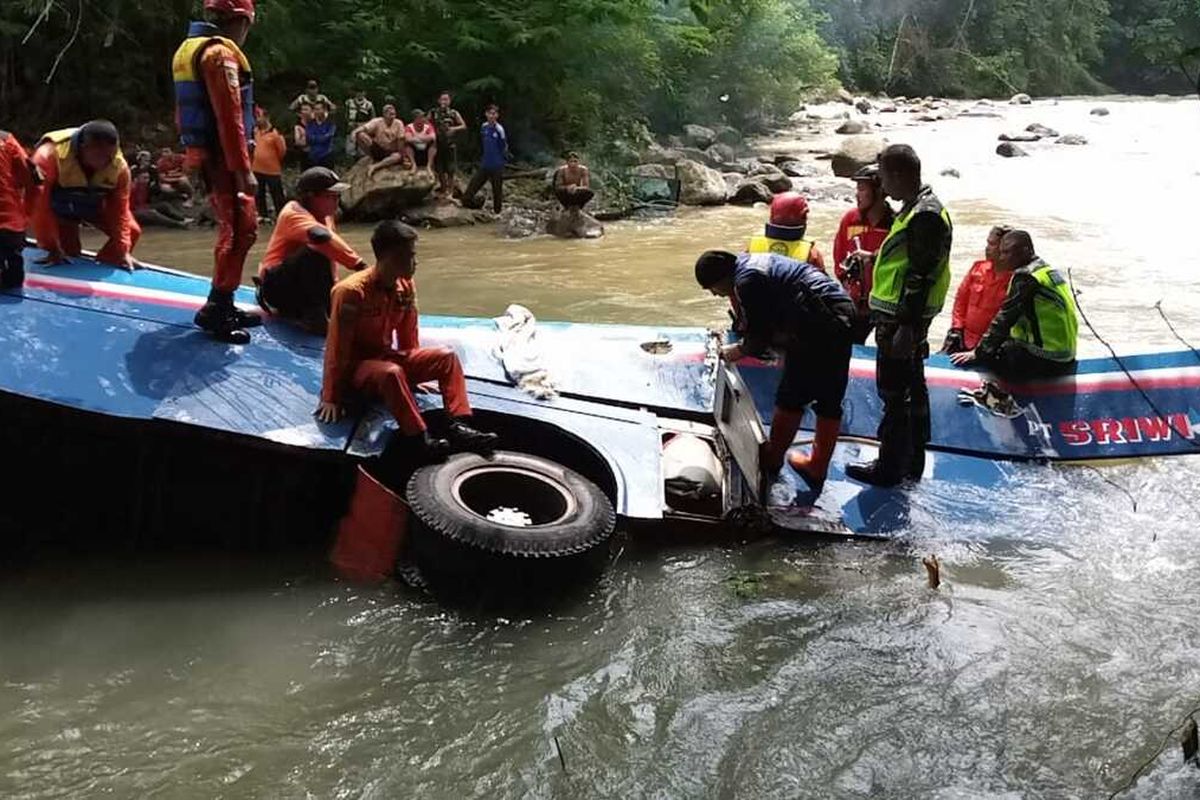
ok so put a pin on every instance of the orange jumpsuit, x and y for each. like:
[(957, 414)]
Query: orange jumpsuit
[(293, 232), (62, 235), (237, 218), (16, 184), (359, 351)]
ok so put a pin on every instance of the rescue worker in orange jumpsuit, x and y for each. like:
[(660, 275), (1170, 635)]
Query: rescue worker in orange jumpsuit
[(300, 267), (85, 179), (370, 308), (214, 108), (979, 297), (18, 179)]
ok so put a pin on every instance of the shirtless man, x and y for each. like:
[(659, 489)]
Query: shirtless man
[(381, 138), (572, 183)]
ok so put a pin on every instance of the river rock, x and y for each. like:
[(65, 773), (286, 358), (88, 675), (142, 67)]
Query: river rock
[(1042, 130), (1021, 99), (855, 153), (700, 185), (1010, 150), (732, 181), (728, 135), (520, 223), (750, 192), (574, 224), (1100, 112), (698, 136), (864, 105), (772, 178), (1072, 139), (845, 96), (445, 215), (797, 169), (721, 154), (1019, 137), (386, 193), (661, 171), (740, 166), (701, 156), (851, 127), (950, 172)]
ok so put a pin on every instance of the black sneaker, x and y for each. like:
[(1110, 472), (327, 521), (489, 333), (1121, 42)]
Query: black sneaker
[(466, 439), (221, 323), (872, 473)]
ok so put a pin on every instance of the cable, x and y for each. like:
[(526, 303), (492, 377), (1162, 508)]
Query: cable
[(1184, 435), (1158, 307), (1166, 739)]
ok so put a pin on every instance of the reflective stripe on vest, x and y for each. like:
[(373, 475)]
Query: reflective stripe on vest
[(1049, 328), (800, 249), (891, 263), (75, 195), (193, 111)]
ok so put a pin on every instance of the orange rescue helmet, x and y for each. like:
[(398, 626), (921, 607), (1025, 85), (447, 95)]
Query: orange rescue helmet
[(233, 8), (789, 210)]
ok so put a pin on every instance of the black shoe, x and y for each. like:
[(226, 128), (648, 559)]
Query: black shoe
[(431, 448), (873, 474), (466, 439), (13, 278), (219, 320), (247, 319)]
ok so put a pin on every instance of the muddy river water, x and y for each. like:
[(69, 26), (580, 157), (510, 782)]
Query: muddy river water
[(1063, 646)]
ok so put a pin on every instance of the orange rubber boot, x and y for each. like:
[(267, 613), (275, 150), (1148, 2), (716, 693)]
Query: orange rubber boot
[(784, 425), (814, 466)]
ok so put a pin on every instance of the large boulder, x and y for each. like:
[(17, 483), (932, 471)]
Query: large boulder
[(700, 156), (750, 192), (727, 134), (1021, 99), (851, 127), (660, 171), (657, 154), (732, 182), (863, 105), (700, 185), (574, 224), (771, 177), (1010, 150), (1042, 130), (855, 153), (797, 169), (699, 136), (520, 223), (741, 166), (385, 194), (721, 154), (445, 215), (845, 96), (1073, 139)]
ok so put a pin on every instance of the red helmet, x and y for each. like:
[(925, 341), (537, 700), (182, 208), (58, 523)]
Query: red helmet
[(233, 8), (789, 209)]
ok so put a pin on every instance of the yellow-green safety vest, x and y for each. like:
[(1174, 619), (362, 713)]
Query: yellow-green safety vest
[(891, 263), (1049, 327)]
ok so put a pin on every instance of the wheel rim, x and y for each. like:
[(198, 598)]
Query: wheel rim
[(513, 497)]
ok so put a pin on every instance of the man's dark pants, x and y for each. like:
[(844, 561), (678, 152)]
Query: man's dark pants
[(481, 176), (900, 380), (299, 287)]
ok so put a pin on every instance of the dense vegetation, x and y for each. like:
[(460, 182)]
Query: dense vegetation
[(573, 72)]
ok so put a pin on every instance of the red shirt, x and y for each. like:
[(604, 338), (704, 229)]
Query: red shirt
[(16, 184), (979, 297), (870, 239)]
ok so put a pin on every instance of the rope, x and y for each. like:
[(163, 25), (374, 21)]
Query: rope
[(1158, 307), (1185, 435), (1166, 739)]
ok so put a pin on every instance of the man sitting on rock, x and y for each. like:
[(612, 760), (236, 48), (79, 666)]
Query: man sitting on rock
[(374, 348), (420, 138), (785, 233), (572, 184), (380, 138), (300, 266)]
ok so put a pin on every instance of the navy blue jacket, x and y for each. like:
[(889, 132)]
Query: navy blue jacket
[(783, 302)]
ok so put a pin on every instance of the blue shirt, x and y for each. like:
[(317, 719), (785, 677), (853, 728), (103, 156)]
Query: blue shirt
[(783, 300), (495, 146), (320, 138)]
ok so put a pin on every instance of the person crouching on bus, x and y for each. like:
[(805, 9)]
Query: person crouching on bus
[(370, 308), (785, 234), (85, 179), (794, 307), (300, 267)]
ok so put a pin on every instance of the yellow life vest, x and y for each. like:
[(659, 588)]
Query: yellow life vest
[(76, 196), (799, 249), (193, 111)]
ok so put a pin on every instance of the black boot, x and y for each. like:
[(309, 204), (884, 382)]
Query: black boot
[(219, 317), (874, 473), (464, 438), (431, 448), (916, 466)]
